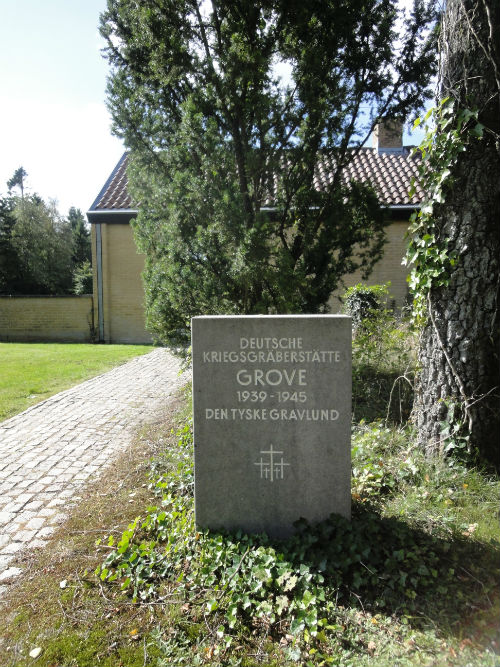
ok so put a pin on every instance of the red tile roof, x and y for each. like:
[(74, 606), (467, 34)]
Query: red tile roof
[(389, 172), (114, 196)]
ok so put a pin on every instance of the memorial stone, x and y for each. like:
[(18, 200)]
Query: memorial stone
[(272, 420)]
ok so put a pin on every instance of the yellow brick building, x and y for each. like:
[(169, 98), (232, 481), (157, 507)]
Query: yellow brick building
[(117, 287), (119, 315)]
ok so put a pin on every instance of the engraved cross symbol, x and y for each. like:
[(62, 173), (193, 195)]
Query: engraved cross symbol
[(272, 468)]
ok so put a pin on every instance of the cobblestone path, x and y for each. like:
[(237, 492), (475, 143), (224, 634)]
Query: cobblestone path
[(49, 451)]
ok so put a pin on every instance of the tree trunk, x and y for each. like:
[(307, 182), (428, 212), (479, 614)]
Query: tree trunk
[(460, 344)]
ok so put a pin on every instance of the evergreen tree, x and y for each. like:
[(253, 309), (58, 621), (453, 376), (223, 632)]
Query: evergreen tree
[(217, 139), (9, 273), (81, 237), (17, 180)]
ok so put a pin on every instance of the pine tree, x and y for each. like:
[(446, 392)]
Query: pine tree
[(17, 180), (80, 237)]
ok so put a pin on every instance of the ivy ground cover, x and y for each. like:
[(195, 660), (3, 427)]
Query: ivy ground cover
[(129, 581)]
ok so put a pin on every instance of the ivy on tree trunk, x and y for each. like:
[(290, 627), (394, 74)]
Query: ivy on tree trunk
[(458, 398)]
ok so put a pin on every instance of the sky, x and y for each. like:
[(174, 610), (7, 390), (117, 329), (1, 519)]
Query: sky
[(53, 116)]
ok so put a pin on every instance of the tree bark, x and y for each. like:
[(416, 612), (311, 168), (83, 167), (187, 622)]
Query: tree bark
[(460, 344)]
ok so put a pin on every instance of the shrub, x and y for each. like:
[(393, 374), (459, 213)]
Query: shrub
[(82, 278), (383, 356), (363, 301)]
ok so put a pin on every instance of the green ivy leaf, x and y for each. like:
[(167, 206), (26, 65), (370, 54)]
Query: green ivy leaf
[(282, 603), (297, 625)]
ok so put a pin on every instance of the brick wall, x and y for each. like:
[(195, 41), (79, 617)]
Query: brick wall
[(65, 319), (388, 269), (123, 291)]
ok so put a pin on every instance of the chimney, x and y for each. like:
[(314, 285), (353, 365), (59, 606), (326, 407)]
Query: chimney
[(388, 136)]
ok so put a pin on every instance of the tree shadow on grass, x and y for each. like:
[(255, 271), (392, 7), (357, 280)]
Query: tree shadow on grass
[(385, 565)]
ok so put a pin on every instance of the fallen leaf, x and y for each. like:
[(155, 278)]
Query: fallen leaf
[(470, 529), (209, 650)]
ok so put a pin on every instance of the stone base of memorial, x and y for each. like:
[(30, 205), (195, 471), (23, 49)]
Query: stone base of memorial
[(272, 420)]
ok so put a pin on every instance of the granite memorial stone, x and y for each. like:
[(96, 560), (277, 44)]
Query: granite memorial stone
[(272, 420)]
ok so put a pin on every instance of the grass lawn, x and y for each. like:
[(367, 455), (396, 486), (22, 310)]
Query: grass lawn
[(31, 372)]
